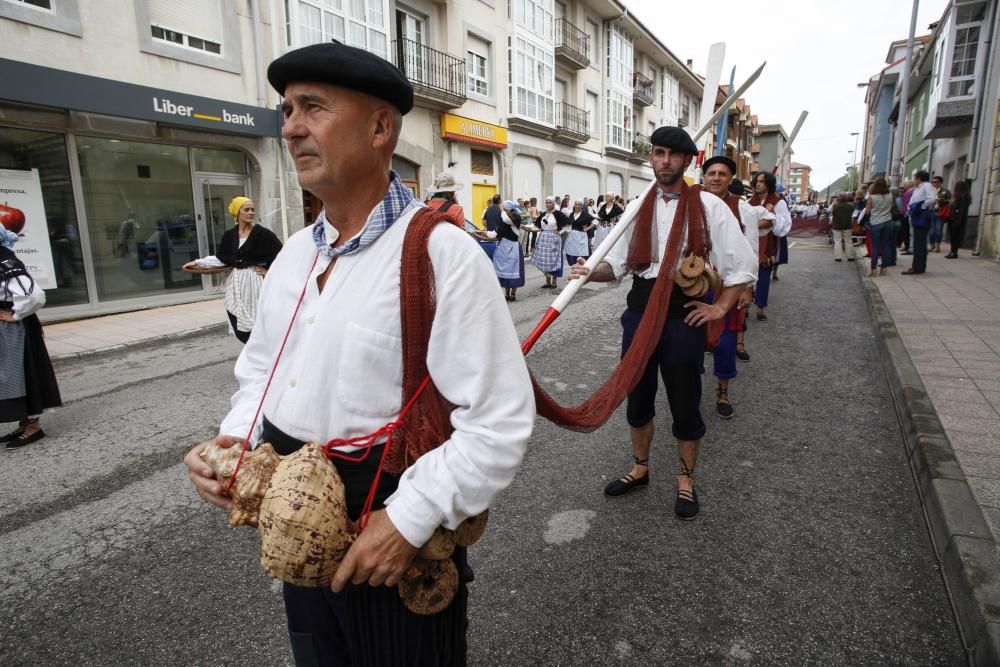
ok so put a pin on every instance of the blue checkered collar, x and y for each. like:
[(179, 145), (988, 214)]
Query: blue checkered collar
[(398, 200)]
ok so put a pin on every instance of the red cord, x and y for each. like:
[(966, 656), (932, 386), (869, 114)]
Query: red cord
[(281, 350)]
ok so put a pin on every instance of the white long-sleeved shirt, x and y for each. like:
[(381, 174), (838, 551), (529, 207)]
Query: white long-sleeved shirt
[(732, 254), (26, 296), (751, 217), (925, 195), (341, 372), (782, 219)]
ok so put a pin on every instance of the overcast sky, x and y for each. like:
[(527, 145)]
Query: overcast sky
[(817, 51)]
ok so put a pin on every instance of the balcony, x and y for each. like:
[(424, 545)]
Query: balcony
[(683, 120), (642, 146), (572, 45), (642, 89), (438, 78), (572, 124), (754, 148)]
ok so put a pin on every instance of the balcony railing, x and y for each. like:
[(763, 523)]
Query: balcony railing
[(642, 146), (572, 44), (683, 120), (439, 79), (572, 124), (642, 89)]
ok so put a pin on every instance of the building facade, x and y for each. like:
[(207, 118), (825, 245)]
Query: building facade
[(770, 144), (738, 137), (124, 152), (798, 183)]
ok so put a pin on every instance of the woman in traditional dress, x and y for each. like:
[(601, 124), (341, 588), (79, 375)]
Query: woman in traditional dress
[(247, 251), (508, 260), (547, 257), (578, 241), (27, 382)]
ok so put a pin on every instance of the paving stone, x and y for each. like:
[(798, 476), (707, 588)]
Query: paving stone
[(963, 410), (955, 394), (974, 442), (971, 425)]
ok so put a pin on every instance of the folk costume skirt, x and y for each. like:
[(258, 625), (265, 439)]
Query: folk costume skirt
[(547, 257), (27, 381), (369, 625), (509, 263)]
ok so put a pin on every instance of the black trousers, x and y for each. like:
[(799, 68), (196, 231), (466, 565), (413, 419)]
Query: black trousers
[(920, 249), (903, 235), (366, 625), (678, 359), (957, 232)]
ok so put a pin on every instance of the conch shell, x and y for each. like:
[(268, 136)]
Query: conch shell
[(304, 528), (429, 586), (251, 482)]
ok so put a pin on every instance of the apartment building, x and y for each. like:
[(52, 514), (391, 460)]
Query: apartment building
[(737, 137), (125, 128), (798, 182), (518, 97), (771, 142)]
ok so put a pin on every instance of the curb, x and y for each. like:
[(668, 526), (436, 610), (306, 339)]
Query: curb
[(966, 550), (174, 335)]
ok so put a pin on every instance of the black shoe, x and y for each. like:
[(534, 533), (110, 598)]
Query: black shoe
[(628, 483), (951, 255), (775, 277), (722, 404), (911, 272), (686, 507), (905, 252), (850, 259), (761, 316), (13, 435), (838, 260), (742, 355), (23, 440)]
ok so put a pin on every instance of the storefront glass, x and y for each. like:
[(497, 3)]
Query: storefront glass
[(140, 214), (46, 152)]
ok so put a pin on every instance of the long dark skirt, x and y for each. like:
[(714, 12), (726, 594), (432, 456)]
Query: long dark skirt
[(41, 388)]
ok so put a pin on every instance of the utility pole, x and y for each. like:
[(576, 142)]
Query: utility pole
[(904, 98)]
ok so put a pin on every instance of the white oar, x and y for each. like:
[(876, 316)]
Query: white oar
[(621, 227), (791, 138)]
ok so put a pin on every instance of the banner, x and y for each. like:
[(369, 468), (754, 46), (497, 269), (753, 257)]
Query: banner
[(21, 206)]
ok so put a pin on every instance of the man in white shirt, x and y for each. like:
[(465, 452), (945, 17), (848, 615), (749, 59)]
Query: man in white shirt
[(921, 203), (718, 173), (765, 194), (340, 375), (679, 355)]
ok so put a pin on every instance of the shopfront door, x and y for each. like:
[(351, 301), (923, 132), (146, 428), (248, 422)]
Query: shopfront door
[(481, 195), (214, 218)]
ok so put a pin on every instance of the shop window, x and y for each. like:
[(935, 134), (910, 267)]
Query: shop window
[(220, 161), (22, 151), (482, 162), (409, 174), (142, 230)]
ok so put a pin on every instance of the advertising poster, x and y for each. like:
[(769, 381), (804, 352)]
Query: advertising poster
[(22, 211)]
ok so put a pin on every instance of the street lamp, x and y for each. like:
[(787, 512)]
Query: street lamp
[(854, 159)]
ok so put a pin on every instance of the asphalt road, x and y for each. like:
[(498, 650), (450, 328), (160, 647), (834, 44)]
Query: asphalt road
[(810, 548)]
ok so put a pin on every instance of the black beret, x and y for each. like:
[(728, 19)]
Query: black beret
[(674, 138), (344, 66), (719, 159)]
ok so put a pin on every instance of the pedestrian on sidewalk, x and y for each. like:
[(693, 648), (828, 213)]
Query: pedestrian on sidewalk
[(246, 251), (356, 357), (444, 199), (940, 213), (508, 261), (920, 213), (841, 226), (905, 233), (713, 235), (27, 381), (960, 203), (879, 209)]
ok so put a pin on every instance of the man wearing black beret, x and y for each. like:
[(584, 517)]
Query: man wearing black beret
[(352, 362), (652, 251)]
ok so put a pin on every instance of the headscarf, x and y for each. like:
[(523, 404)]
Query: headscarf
[(236, 204), (509, 205), (7, 238)]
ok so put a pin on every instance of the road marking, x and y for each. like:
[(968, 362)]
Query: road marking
[(565, 527)]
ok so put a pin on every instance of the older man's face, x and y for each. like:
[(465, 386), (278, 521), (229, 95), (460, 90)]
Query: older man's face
[(717, 179), (327, 129)]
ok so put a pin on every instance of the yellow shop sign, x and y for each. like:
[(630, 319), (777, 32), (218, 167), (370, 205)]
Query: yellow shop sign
[(471, 131)]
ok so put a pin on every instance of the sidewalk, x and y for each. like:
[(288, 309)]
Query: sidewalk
[(114, 332), (940, 343)]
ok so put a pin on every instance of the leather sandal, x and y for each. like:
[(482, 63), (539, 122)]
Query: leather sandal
[(628, 483), (687, 505), (722, 405), (15, 434)]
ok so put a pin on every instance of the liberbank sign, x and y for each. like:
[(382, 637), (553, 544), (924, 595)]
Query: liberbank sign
[(44, 86)]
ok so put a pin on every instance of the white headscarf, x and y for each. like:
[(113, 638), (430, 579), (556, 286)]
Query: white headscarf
[(7, 238)]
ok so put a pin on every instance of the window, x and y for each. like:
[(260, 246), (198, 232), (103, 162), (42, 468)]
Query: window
[(534, 16), (593, 120), (193, 24), (360, 23), (40, 4), (619, 57), (481, 162), (593, 41), (619, 113), (533, 77), (963, 62), (669, 91), (477, 66)]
